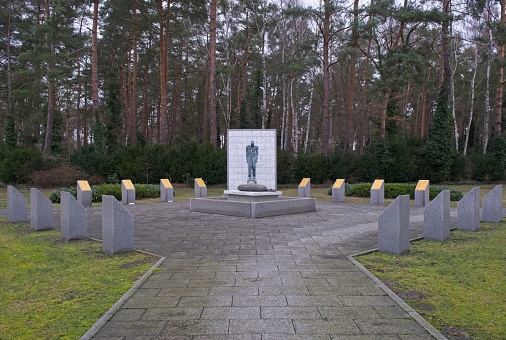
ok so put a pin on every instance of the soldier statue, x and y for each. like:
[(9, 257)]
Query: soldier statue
[(251, 158)]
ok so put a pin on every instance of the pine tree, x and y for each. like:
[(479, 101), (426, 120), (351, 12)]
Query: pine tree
[(438, 150)]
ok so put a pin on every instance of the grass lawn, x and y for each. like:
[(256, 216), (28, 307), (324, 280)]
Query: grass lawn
[(458, 286), (53, 289)]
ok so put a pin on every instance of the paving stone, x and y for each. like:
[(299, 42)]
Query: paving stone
[(198, 301), (390, 326), (133, 328), (195, 327), (323, 327), (228, 337), (261, 326), (294, 337), (233, 291), (283, 290), (172, 313), (143, 302), (263, 300), (348, 312), (290, 313), (191, 291), (365, 337), (129, 314), (316, 301), (394, 312), (333, 291), (367, 301), (231, 313)]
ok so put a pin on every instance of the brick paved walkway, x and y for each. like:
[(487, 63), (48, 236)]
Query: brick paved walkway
[(285, 277)]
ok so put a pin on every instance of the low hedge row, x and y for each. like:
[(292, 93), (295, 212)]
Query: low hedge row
[(141, 191), (392, 190)]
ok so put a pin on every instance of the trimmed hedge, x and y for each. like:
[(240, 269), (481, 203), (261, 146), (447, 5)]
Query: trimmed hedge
[(392, 190), (141, 191)]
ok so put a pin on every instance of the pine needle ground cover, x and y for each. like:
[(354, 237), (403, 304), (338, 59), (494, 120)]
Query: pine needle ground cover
[(458, 286), (53, 289)]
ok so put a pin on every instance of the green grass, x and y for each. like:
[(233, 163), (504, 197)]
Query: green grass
[(458, 286), (53, 289)]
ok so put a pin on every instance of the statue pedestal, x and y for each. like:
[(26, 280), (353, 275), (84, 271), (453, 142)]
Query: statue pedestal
[(252, 204), (252, 196)]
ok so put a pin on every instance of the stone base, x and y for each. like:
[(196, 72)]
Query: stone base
[(252, 204)]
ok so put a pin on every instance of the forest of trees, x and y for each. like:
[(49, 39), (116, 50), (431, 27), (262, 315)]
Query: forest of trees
[(340, 76)]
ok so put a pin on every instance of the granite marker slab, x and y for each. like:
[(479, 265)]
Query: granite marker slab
[(468, 211), (127, 192), (436, 218), (338, 190), (422, 193), (200, 188), (166, 191), (492, 206), (84, 193), (304, 189), (41, 211), (393, 227), (378, 192), (17, 206), (117, 227), (74, 222)]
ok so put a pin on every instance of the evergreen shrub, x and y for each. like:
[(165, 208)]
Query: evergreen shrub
[(392, 190), (16, 165), (97, 191)]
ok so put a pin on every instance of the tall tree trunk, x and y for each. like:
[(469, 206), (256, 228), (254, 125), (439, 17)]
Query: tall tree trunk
[(473, 80), (213, 126), (388, 92), (51, 95), (10, 131), (500, 86), (446, 71), (425, 119), (133, 92), (486, 116), (308, 123), (145, 105), (94, 58), (452, 95), (326, 81), (164, 15), (350, 100)]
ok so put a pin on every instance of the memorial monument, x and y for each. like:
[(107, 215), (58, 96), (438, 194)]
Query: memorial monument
[(252, 186)]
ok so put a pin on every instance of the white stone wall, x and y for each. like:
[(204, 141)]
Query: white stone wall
[(237, 167)]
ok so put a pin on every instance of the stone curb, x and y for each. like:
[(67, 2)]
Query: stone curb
[(110, 313), (424, 323)]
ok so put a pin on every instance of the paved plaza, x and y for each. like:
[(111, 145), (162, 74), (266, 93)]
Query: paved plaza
[(285, 277)]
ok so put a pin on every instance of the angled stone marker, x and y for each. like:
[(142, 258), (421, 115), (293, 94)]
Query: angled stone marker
[(17, 206), (84, 193), (200, 188), (468, 211), (422, 193), (127, 192), (436, 218), (378, 192), (492, 206), (41, 211), (338, 190), (304, 189), (117, 227), (393, 227), (74, 222), (166, 191)]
